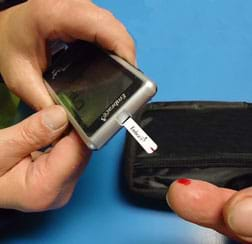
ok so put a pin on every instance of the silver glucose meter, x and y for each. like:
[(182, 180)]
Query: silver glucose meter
[(99, 91)]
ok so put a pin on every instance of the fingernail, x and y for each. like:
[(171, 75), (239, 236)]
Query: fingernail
[(184, 181), (136, 64), (167, 200), (55, 117), (240, 218)]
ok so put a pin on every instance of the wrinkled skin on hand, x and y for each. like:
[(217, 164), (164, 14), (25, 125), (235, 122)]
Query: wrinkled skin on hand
[(31, 180)]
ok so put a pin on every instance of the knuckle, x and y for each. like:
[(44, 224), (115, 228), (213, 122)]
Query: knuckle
[(49, 12), (122, 27), (104, 15), (30, 137)]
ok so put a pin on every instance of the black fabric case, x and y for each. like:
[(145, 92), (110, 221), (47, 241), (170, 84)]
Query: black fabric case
[(211, 141)]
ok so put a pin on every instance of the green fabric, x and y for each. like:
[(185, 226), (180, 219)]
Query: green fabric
[(8, 106)]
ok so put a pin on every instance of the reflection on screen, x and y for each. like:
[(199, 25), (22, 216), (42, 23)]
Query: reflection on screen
[(88, 81)]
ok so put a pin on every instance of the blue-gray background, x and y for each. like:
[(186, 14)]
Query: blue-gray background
[(194, 50)]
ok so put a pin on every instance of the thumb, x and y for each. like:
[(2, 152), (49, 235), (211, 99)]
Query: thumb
[(32, 134), (238, 214)]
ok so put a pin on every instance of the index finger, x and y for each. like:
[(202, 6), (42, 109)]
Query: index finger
[(84, 20)]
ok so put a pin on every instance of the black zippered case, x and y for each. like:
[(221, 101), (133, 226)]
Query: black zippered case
[(211, 141)]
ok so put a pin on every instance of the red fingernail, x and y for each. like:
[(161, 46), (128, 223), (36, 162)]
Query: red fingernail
[(184, 181)]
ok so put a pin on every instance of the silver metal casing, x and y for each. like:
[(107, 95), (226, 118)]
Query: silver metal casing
[(113, 124)]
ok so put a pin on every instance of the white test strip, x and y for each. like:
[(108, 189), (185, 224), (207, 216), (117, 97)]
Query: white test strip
[(139, 134)]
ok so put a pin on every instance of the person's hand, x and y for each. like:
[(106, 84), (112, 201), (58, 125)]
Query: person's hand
[(34, 181), (29, 179), (26, 28), (226, 211)]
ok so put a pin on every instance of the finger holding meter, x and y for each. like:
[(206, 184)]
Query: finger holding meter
[(99, 91)]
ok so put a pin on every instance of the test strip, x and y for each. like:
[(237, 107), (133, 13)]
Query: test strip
[(140, 136)]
